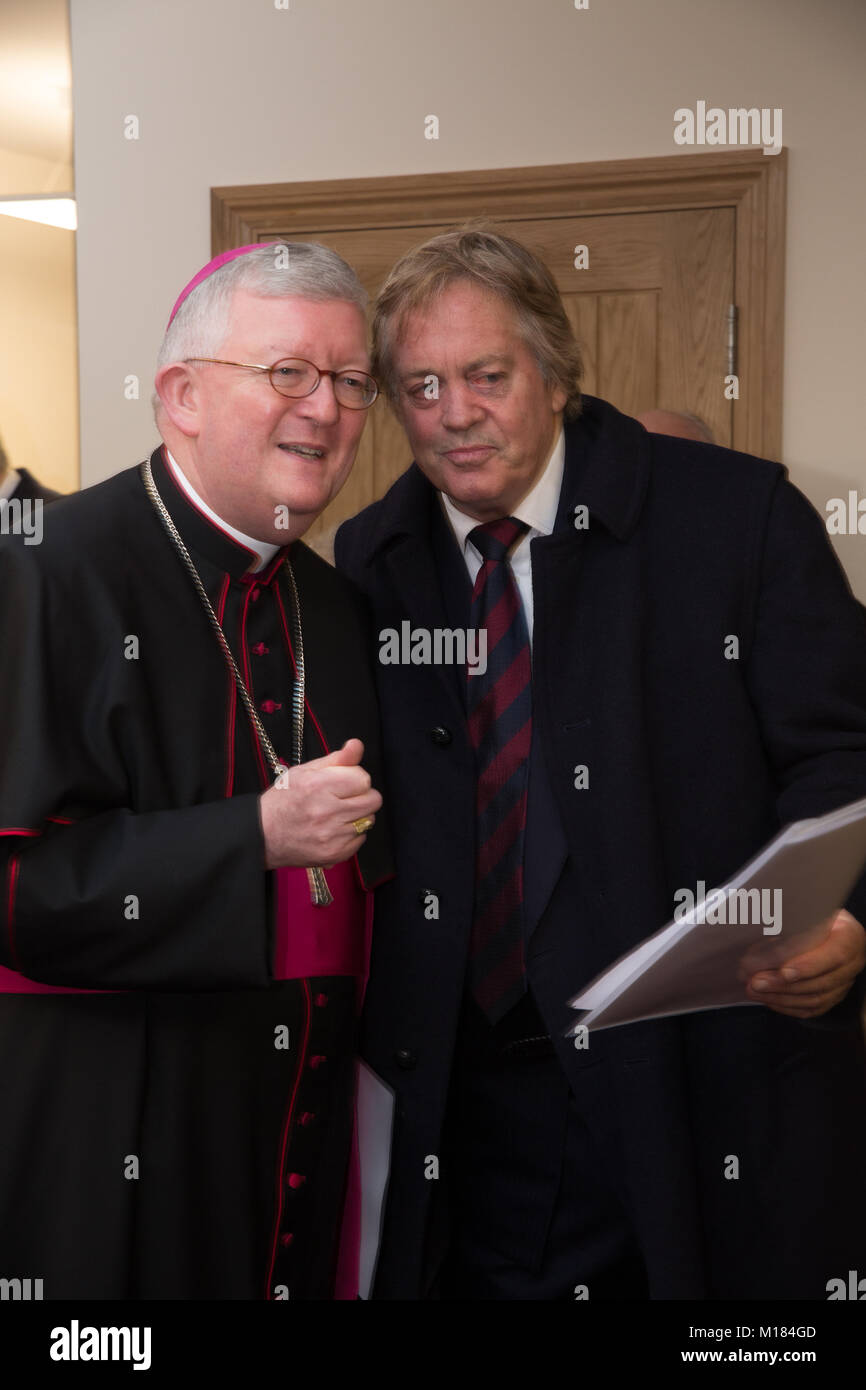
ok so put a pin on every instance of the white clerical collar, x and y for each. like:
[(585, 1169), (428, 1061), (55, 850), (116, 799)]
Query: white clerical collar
[(263, 549), (538, 508), (9, 483)]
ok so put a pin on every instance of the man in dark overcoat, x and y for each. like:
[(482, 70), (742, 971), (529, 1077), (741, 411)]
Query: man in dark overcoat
[(674, 667)]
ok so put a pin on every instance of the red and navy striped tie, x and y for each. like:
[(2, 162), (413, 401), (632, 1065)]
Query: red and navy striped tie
[(499, 706)]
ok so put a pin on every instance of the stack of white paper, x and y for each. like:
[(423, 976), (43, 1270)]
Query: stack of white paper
[(375, 1116), (768, 912)]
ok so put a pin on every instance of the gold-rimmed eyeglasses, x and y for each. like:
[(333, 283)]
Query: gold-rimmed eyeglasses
[(295, 377)]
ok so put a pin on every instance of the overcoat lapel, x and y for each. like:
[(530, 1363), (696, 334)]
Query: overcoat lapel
[(588, 648), (411, 561)]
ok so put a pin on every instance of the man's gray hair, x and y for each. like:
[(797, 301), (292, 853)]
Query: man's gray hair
[(277, 270), (480, 253)]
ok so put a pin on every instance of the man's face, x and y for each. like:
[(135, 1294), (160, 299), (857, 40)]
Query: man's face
[(246, 450), (486, 439)]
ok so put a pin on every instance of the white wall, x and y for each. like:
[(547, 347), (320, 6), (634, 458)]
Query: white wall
[(238, 91), (38, 350)]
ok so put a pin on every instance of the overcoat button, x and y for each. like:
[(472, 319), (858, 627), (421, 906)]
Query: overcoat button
[(441, 736), (406, 1058)]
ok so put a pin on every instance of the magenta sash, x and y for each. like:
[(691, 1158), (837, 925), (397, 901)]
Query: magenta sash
[(308, 940), (13, 983), (312, 940)]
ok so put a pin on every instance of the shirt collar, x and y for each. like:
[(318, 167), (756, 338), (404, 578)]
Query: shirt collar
[(9, 483), (262, 551), (538, 508), (204, 537)]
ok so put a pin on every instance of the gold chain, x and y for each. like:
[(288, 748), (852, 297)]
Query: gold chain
[(319, 891)]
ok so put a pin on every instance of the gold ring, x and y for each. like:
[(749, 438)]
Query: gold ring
[(361, 826)]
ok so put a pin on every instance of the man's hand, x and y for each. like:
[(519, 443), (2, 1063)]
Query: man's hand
[(808, 985), (308, 822)]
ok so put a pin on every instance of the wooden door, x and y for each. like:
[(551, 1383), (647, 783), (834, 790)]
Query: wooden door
[(650, 302)]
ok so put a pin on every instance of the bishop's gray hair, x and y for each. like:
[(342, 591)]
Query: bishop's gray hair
[(278, 269)]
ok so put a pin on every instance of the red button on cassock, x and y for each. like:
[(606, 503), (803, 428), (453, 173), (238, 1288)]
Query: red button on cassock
[(296, 1180), (286, 1238), (268, 706), (260, 649), (306, 1119), (316, 1062), (320, 1001)]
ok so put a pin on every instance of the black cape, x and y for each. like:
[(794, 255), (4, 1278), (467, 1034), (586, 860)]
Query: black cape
[(155, 1141)]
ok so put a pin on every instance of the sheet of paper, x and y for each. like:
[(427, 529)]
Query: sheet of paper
[(768, 912), (375, 1112)]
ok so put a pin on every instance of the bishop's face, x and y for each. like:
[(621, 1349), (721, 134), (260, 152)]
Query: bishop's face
[(257, 452), (485, 434)]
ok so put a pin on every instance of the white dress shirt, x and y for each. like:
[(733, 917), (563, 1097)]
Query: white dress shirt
[(538, 509), (263, 549)]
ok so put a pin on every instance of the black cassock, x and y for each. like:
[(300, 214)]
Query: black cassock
[(158, 1138)]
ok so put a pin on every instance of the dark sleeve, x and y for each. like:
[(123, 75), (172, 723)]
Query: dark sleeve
[(109, 899), (806, 673)]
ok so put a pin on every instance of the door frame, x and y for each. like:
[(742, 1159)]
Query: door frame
[(750, 182)]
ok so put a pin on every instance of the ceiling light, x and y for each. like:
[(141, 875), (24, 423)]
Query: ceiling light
[(53, 211)]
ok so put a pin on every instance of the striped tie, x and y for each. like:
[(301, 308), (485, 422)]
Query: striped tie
[(499, 705)]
